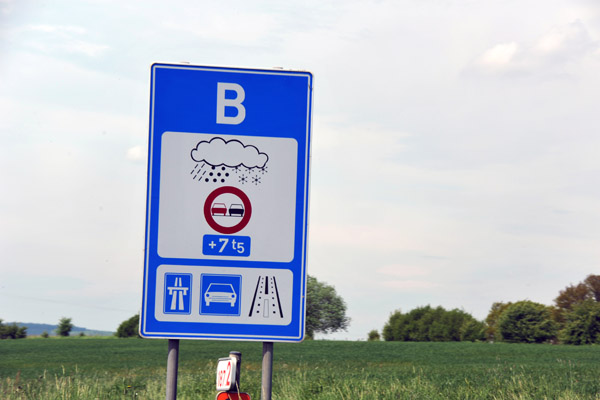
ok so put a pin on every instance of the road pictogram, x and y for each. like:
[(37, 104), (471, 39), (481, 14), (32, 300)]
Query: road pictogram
[(266, 302)]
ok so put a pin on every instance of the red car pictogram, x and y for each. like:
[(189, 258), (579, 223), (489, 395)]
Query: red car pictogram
[(218, 209)]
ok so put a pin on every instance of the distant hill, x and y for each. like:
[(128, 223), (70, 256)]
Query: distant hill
[(34, 329)]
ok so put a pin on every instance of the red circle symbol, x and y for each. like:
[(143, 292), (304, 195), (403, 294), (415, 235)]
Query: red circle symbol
[(208, 214)]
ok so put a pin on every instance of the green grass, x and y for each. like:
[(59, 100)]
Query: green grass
[(89, 368)]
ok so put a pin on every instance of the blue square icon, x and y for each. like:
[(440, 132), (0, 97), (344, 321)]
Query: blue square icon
[(220, 294), (178, 294)]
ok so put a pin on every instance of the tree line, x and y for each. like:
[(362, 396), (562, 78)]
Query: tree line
[(14, 331), (574, 318)]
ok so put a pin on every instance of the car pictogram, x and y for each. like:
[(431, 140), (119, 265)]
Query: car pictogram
[(220, 293), (219, 209), (237, 210)]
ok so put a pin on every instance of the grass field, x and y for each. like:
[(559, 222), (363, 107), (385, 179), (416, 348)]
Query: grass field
[(88, 368)]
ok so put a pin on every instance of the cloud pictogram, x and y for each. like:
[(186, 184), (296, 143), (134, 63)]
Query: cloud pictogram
[(231, 153)]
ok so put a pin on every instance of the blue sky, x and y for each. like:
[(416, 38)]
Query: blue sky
[(454, 157)]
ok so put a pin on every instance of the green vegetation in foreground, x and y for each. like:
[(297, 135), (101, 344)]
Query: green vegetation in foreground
[(90, 368)]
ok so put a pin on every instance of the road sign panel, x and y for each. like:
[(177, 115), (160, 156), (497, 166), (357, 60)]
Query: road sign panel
[(227, 203)]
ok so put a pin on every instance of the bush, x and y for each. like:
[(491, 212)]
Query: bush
[(426, 324), (491, 330), (582, 325), (526, 322), (12, 331), (129, 328), (64, 327), (473, 331), (391, 330), (374, 336)]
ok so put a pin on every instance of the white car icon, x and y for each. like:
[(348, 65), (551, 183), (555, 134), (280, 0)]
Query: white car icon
[(220, 293)]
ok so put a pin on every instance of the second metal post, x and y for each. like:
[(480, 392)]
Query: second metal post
[(267, 370), (172, 365)]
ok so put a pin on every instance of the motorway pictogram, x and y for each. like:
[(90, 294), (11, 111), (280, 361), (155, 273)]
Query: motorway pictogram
[(177, 293)]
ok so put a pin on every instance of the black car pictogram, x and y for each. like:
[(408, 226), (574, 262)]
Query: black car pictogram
[(237, 210)]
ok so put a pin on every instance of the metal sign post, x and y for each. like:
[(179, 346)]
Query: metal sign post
[(267, 371), (172, 366)]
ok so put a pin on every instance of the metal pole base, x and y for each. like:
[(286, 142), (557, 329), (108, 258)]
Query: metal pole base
[(267, 370), (172, 365)]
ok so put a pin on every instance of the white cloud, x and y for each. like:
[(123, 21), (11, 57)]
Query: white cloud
[(570, 41), (136, 153), (71, 39), (211, 22), (86, 48), (57, 81), (403, 271), (499, 56), (409, 284), (551, 42), (59, 29), (562, 49), (405, 277), (6, 6)]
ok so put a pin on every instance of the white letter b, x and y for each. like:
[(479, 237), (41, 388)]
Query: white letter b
[(222, 103)]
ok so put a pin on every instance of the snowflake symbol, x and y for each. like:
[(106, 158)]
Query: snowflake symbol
[(256, 179), (263, 170), (243, 179)]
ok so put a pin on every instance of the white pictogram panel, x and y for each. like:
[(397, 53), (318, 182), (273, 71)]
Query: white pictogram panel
[(250, 191), (230, 295)]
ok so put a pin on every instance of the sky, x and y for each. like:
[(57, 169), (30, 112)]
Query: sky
[(454, 149)]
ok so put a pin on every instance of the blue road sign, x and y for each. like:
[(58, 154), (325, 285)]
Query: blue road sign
[(227, 203)]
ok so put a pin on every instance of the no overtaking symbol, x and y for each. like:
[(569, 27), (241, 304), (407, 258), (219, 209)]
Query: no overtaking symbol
[(227, 230)]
